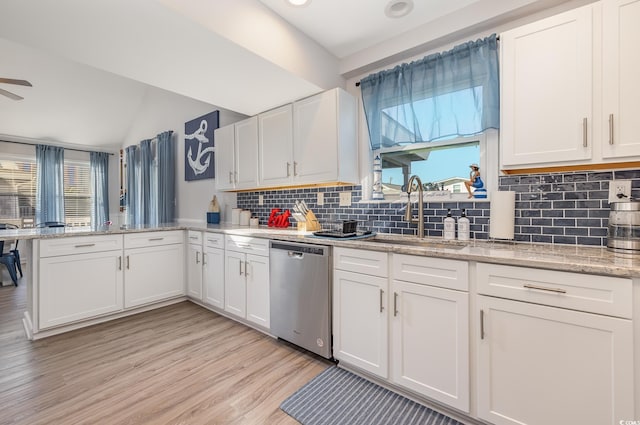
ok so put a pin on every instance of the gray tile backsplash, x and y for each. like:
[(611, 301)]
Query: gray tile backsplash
[(564, 208)]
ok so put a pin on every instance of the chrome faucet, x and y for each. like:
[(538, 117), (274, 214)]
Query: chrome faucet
[(408, 215)]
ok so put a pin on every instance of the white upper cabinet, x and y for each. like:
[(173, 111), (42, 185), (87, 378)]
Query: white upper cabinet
[(324, 138), (570, 89), (225, 157), (620, 71), (246, 153), (546, 90), (310, 141), (237, 155), (275, 146)]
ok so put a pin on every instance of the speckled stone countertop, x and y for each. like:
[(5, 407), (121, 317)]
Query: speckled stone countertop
[(581, 259)]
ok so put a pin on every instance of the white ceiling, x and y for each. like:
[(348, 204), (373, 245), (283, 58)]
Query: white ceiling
[(91, 62)]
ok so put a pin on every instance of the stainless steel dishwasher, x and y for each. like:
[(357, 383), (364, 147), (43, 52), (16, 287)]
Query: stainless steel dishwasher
[(301, 295)]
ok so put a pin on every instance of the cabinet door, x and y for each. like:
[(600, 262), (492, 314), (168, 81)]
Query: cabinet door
[(194, 272), (546, 95), (75, 287), (257, 276), (275, 146), (246, 154), (544, 365), (213, 277), (235, 287), (225, 157), (621, 87), (360, 330), (153, 274), (430, 342), (315, 138)]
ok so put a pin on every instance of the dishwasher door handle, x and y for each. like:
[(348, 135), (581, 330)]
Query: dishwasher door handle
[(294, 254)]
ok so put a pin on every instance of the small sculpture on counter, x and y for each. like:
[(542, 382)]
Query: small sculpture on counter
[(213, 215), (277, 219), (476, 182)]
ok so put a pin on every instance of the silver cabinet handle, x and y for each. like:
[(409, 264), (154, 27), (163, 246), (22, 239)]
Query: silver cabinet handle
[(197, 257), (85, 245), (481, 324), (155, 239), (295, 168), (288, 169), (584, 133), (127, 262), (381, 296), (241, 267), (611, 129), (230, 177), (193, 237), (246, 272), (395, 304), (120, 262), (542, 288), (204, 258)]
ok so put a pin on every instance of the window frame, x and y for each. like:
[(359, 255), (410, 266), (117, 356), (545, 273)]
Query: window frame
[(489, 159)]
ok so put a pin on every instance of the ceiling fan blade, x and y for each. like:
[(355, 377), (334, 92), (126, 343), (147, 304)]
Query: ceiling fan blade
[(10, 95), (17, 82)]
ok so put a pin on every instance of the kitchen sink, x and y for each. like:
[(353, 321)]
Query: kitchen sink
[(426, 243)]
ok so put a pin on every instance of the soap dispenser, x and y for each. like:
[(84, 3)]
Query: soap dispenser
[(463, 226), (449, 227)]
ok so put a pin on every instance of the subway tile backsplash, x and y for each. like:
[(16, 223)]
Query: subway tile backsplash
[(562, 208)]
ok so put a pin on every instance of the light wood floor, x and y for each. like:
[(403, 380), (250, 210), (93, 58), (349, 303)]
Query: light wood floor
[(180, 364)]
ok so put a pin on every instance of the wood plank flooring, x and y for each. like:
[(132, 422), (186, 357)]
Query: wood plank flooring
[(180, 364)]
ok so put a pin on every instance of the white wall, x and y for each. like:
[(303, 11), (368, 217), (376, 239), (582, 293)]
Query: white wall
[(161, 111)]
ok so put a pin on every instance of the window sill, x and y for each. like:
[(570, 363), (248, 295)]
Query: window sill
[(439, 196)]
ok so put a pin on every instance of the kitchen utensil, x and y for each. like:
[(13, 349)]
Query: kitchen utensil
[(305, 207)]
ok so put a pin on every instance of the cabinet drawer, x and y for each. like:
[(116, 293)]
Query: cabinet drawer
[(194, 237), (247, 244), (577, 291), (79, 245), (361, 261), (214, 240), (143, 239), (450, 274)]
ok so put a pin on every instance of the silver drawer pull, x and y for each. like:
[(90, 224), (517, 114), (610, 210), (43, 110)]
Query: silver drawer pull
[(127, 262), (120, 262), (542, 288), (395, 304), (197, 257), (155, 239), (381, 296), (244, 246), (193, 237), (584, 132), (85, 245), (240, 264), (611, 129)]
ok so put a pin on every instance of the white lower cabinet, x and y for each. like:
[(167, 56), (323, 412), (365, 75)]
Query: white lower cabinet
[(213, 277), (430, 342), (194, 271), (153, 274), (79, 286), (360, 324), (546, 365), (246, 282)]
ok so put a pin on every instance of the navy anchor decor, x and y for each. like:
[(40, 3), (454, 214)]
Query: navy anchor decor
[(198, 147)]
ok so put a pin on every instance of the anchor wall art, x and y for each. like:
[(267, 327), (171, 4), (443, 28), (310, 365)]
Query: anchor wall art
[(198, 147)]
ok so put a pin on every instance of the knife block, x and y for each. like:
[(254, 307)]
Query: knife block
[(311, 224)]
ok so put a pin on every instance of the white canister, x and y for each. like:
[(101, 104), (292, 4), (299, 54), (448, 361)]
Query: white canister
[(235, 216), (245, 216), (254, 222)]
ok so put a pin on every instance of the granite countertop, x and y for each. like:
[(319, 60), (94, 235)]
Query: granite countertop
[(581, 259)]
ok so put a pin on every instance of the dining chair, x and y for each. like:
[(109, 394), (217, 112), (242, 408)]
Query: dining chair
[(13, 250), (9, 260)]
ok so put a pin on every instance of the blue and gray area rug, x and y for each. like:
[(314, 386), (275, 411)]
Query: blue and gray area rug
[(338, 397)]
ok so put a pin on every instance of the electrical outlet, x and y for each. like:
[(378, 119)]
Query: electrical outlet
[(620, 191), (345, 199), (260, 199), (320, 198)]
